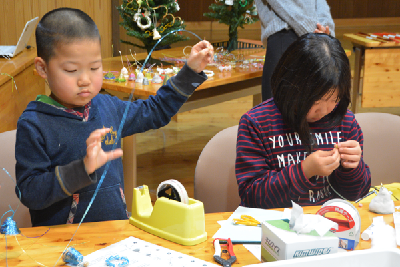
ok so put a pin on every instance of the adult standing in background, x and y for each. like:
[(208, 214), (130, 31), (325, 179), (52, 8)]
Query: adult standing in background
[(282, 21)]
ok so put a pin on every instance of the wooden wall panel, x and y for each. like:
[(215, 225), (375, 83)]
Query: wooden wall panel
[(347, 9), (15, 13)]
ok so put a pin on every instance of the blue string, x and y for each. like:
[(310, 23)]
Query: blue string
[(118, 136)]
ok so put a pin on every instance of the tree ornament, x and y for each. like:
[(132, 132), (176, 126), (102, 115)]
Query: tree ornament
[(147, 17), (177, 5), (229, 2), (156, 34)]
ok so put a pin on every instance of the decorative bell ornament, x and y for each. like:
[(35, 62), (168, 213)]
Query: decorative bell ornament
[(156, 34)]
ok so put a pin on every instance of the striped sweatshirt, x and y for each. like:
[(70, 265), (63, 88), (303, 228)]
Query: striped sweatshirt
[(268, 161)]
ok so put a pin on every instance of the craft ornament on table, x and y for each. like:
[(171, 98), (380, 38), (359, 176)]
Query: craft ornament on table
[(382, 203), (139, 77), (156, 79), (132, 77), (124, 72), (109, 76), (146, 81)]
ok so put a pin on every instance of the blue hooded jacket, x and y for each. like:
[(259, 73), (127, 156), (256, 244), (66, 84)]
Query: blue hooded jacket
[(51, 145)]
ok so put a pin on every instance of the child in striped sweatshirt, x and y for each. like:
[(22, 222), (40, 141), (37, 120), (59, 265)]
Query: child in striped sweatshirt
[(303, 144)]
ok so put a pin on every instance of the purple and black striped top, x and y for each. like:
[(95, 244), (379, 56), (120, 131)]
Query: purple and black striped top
[(268, 169)]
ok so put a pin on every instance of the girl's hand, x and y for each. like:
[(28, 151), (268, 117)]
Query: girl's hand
[(321, 163), (322, 29), (350, 153), (95, 155)]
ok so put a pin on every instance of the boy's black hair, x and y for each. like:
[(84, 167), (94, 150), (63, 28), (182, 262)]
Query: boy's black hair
[(311, 68), (63, 25)]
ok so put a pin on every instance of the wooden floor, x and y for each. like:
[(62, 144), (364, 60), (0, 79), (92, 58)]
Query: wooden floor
[(172, 152)]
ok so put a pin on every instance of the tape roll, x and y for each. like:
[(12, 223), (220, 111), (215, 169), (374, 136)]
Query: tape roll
[(178, 191), (346, 209)]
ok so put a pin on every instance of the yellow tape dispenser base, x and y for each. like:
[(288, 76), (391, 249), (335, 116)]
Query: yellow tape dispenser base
[(169, 219)]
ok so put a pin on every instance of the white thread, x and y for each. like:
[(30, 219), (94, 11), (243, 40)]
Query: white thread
[(176, 185)]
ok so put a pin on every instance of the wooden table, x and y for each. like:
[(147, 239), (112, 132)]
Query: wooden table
[(94, 236), (13, 102), (223, 86), (380, 61)]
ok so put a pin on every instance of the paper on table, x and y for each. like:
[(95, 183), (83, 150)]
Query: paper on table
[(246, 234)]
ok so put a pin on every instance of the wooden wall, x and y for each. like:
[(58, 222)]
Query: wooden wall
[(340, 9), (15, 13)]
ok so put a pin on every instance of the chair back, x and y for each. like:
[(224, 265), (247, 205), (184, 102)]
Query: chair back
[(215, 181), (8, 197), (381, 146)]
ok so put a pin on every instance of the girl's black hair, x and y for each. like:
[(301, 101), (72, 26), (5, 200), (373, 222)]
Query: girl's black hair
[(312, 67), (63, 25)]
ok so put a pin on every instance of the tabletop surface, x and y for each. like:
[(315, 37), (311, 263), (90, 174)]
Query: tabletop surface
[(16, 64), (375, 42), (49, 243), (114, 65)]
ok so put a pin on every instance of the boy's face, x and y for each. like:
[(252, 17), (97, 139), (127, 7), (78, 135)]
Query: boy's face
[(75, 72)]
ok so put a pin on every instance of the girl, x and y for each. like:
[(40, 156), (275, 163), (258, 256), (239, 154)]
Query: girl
[(303, 144)]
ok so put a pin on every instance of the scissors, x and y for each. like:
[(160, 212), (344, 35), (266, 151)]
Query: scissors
[(229, 250), (246, 220)]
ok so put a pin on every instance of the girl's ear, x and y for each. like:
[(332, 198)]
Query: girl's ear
[(41, 67)]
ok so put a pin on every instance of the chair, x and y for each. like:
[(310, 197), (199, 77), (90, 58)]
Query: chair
[(381, 146), (214, 179), (7, 190)]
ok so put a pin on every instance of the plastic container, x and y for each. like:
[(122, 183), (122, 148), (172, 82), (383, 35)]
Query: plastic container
[(358, 258)]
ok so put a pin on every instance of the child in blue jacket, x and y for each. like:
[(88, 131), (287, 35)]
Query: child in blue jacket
[(61, 147)]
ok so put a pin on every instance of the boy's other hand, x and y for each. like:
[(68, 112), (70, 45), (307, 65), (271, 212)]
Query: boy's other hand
[(201, 55), (95, 155)]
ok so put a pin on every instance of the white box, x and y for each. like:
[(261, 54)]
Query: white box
[(279, 242), (357, 258)]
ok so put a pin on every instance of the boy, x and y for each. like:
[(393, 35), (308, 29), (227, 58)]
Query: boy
[(60, 149)]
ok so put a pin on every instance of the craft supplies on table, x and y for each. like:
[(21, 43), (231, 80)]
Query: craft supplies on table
[(140, 253), (243, 234)]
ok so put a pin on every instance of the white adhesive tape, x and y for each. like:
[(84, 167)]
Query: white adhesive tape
[(345, 208), (180, 189)]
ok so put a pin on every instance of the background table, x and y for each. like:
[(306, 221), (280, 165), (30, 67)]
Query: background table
[(94, 236), (223, 86), (13, 102), (380, 61)]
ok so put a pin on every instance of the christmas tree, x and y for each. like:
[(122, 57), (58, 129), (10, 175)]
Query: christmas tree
[(150, 20), (235, 13)]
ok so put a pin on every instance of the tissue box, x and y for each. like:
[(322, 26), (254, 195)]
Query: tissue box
[(280, 243)]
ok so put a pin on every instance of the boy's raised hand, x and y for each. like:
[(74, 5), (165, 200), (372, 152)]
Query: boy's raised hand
[(201, 55), (350, 153), (321, 163), (95, 155)]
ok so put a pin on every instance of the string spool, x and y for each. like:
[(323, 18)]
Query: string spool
[(9, 227), (73, 257), (178, 191)]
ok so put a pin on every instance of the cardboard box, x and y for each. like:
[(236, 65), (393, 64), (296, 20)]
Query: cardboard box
[(280, 243)]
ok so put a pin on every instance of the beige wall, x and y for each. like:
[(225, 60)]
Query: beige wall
[(15, 13)]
